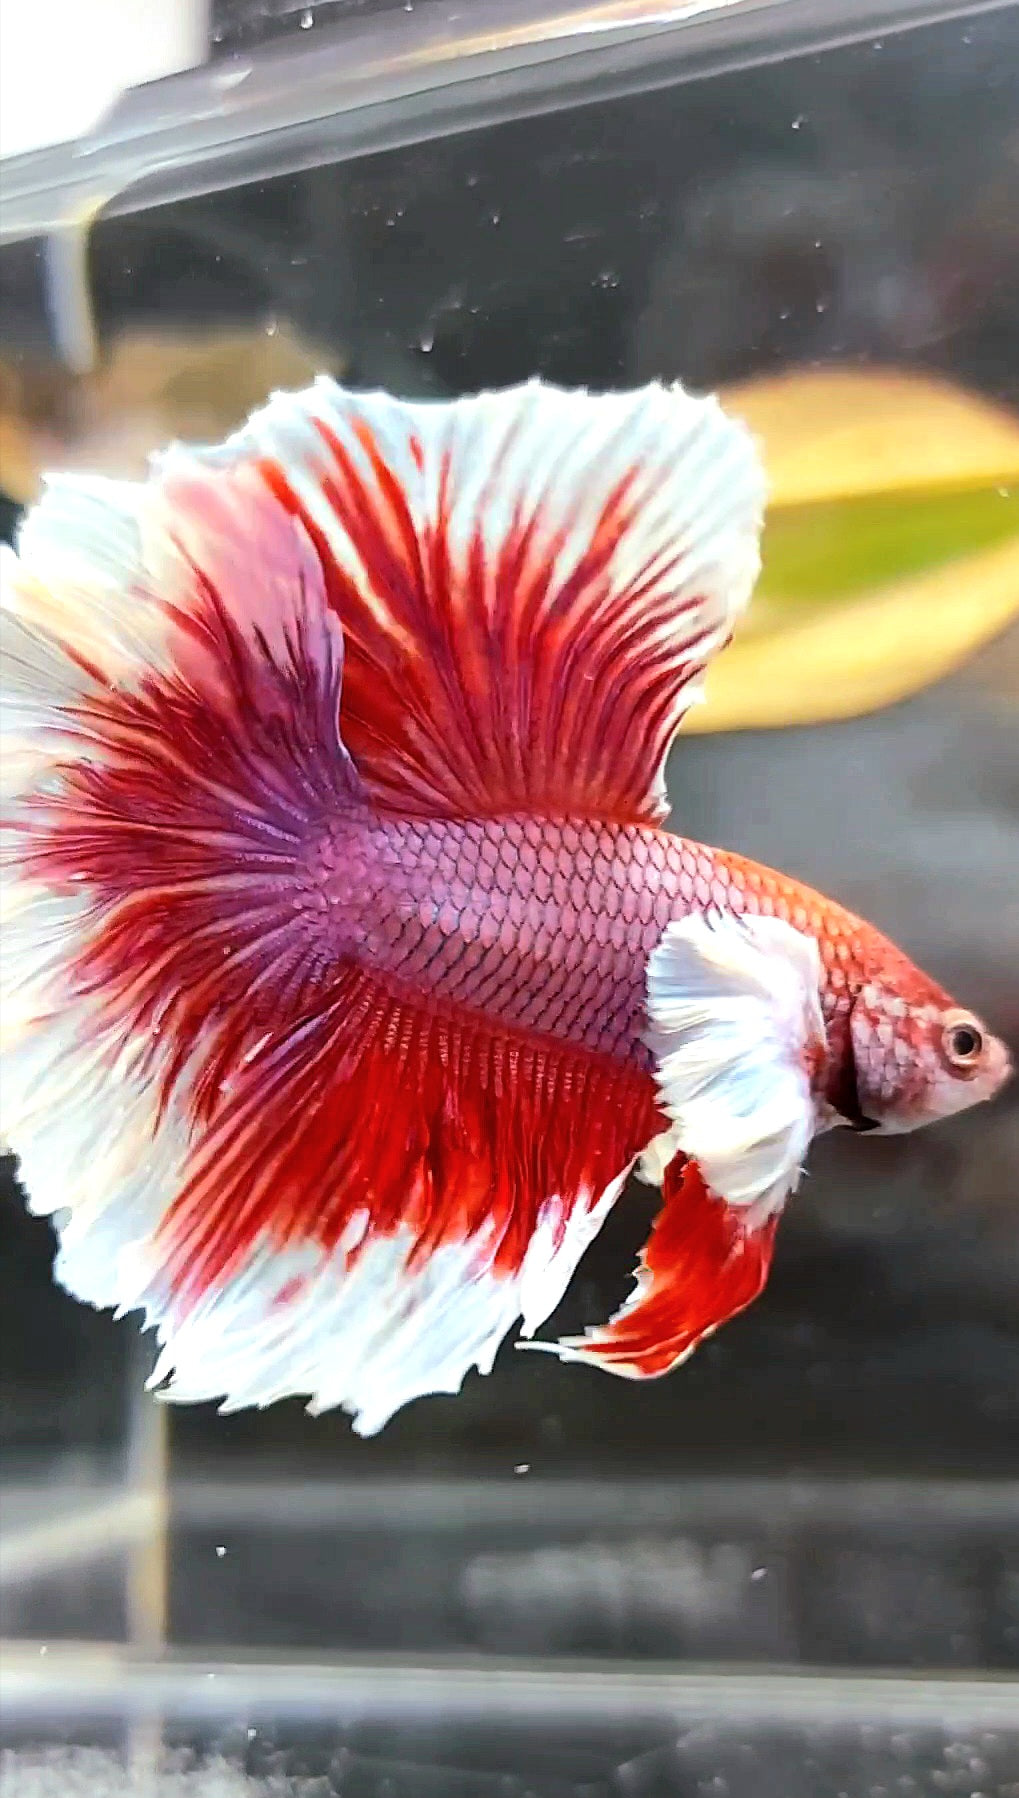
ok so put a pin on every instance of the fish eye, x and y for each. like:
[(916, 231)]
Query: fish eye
[(964, 1041)]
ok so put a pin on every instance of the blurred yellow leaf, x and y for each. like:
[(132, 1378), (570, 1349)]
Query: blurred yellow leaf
[(203, 387), (149, 389), (866, 654), (830, 433), (891, 546)]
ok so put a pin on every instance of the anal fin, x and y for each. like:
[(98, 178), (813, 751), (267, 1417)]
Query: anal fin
[(385, 1192)]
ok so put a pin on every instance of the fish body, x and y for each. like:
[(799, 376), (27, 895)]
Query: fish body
[(348, 969), (547, 925)]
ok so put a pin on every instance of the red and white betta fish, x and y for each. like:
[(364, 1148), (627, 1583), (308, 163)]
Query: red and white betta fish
[(347, 969)]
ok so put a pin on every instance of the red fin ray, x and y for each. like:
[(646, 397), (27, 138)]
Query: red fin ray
[(182, 743), (332, 1118), (183, 815), (531, 583), (348, 1160)]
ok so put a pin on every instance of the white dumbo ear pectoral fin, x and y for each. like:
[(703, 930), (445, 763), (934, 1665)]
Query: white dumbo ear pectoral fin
[(736, 1027), (737, 1030)]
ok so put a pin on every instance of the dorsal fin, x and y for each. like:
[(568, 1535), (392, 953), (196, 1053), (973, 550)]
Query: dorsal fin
[(531, 583)]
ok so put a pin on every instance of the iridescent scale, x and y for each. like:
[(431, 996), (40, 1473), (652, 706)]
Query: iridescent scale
[(546, 925)]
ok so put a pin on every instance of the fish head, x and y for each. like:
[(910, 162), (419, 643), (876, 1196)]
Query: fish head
[(918, 1055)]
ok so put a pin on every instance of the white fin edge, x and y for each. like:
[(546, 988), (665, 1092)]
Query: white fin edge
[(371, 1337), (81, 575)]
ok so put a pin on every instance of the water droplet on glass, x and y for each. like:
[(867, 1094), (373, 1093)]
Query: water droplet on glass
[(799, 120), (220, 1551), (522, 1467), (307, 20), (272, 326), (495, 217), (427, 342), (821, 306), (758, 1574)]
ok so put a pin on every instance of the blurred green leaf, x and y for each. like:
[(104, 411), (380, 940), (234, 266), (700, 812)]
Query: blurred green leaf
[(891, 544), (814, 554)]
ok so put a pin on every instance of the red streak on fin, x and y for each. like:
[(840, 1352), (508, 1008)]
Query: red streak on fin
[(375, 1114), (702, 1264), (531, 650), (184, 823)]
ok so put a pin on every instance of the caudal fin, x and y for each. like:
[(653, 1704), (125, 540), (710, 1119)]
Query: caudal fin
[(307, 1182)]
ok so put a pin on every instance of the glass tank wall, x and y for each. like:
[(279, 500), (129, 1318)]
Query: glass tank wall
[(791, 1568)]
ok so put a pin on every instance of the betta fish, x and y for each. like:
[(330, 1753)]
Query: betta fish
[(348, 970)]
